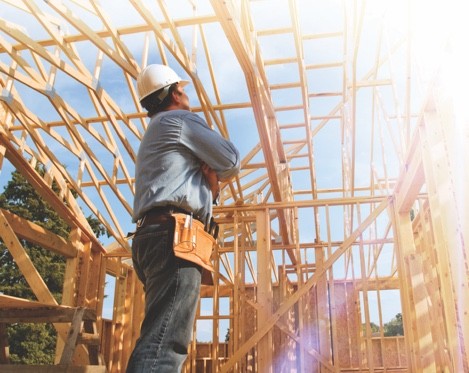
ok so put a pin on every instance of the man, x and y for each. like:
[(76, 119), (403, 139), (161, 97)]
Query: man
[(179, 165)]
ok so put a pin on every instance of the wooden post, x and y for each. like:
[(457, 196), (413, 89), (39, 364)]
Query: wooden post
[(405, 286), (118, 319), (264, 289), (4, 345), (333, 313), (127, 318), (215, 351), (368, 334), (448, 205), (139, 310), (237, 280), (322, 294), (301, 311)]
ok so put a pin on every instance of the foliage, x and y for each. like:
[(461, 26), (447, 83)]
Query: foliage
[(33, 343), (374, 328), (394, 327), (390, 329)]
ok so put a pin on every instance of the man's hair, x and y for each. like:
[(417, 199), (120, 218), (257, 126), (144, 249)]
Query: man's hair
[(152, 104)]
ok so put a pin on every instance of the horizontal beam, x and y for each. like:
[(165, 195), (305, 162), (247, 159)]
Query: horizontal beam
[(300, 204), (38, 235), (54, 368), (14, 309), (42, 315)]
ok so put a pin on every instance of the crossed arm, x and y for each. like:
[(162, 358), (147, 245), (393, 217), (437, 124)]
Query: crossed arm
[(212, 180)]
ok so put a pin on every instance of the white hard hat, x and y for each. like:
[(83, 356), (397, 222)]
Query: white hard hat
[(155, 77)]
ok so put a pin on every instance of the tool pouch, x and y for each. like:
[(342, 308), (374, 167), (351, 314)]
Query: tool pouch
[(193, 243)]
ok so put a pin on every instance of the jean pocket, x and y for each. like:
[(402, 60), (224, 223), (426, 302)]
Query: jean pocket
[(153, 249)]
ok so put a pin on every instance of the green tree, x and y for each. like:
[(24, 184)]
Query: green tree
[(33, 343), (374, 328), (394, 327)]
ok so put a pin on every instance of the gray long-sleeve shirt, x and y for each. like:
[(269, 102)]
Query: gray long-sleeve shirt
[(168, 171)]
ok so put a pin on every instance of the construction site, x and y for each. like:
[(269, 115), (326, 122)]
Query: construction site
[(350, 211)]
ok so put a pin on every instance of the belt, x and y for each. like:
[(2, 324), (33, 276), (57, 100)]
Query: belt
[(160, 215)]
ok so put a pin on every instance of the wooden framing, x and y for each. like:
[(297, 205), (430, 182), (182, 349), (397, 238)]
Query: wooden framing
[(351, 202)]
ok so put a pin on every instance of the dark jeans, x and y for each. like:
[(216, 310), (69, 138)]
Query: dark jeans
[(172, 288)]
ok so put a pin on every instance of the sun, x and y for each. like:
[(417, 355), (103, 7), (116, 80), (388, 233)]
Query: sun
[(438, 31)]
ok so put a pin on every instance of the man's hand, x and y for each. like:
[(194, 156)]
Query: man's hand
[(212, 179)]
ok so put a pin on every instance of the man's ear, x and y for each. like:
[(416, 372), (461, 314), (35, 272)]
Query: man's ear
[(175, 96)]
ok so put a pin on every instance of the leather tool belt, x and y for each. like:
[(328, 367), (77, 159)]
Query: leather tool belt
[(193, 241)]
